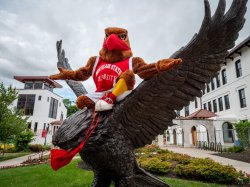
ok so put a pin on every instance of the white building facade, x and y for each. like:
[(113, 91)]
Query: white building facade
[(227, 95), (41, 105)]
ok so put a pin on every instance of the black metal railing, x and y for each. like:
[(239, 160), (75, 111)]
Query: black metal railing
[(211, 146)]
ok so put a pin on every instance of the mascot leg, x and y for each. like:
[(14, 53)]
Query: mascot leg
[(84, 101), (124, 82)]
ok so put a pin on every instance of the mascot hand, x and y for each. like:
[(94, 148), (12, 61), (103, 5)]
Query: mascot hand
[(167, 64), (63, 75)]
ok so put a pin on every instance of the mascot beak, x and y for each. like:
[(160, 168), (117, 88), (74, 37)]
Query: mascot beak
[(113, 42)]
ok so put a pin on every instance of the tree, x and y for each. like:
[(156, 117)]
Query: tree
[(12, 122), (243, 132), (71, 109)]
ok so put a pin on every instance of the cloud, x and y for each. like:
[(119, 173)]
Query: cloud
[(29, 30)]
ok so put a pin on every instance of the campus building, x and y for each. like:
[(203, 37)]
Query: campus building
[(44, 108), (225, 101)]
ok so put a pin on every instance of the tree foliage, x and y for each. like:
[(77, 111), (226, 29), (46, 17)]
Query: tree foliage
[(23, 139), (243, 132), (12, 122), (71, 109)]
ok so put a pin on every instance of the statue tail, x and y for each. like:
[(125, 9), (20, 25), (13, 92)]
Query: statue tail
[(145, 179)]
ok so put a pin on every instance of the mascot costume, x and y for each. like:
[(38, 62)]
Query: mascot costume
[(113, 71)]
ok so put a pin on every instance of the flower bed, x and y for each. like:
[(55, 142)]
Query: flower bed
[(167, 163)]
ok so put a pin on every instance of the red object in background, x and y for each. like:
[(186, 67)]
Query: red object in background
[(44, 133)]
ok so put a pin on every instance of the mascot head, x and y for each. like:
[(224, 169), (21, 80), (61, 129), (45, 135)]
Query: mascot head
[(116, 46)]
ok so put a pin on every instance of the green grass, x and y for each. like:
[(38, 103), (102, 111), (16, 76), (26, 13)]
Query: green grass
[(8, 156), (68, 176), (180, 183)]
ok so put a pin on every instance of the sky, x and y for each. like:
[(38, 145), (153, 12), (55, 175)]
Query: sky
[(29, 30)]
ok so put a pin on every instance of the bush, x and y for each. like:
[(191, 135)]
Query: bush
[(148, 149), (46, 147), (180, 158), (242, 129), (35, 147), (234, 149), (22, 141), (38, 147), (207, 169), (155, 165)]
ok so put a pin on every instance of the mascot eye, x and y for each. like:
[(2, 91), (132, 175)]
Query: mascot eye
[(123, 36), (106, 36)]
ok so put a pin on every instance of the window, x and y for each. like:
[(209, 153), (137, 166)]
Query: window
[(177, 113), (29, 125), (224, 76), (238, 68), (226, 100), (242, 97), (196, 103), (228, 132), (35, 127), (26, 103), (205, 106), (61, 119), (209, 106), (47, 99), (208, 88), (215, 105), (212, 83), (220, 104), (38, 85), (28, 85), (218, 80), (53, 108), (47, 87), (186, 110), (39, 97)]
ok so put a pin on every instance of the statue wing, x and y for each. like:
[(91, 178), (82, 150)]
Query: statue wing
[(150, 109)]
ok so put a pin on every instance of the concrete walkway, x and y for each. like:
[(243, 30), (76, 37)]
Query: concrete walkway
[(19, 160), (238, 165)]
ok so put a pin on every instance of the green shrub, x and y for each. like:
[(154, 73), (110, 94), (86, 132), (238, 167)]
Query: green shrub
[(22, 140), (46, 147), (155, 165), (148, 149), (207, 169), (180, 158), (235, 149), (35, 147), (38, 147)]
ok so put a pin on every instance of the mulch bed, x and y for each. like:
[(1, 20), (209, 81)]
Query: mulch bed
[(243, 156)]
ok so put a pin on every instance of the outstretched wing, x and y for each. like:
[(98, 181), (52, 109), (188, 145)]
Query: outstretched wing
[(151, 107)]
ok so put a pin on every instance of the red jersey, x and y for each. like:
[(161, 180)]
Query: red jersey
[(105, 73)]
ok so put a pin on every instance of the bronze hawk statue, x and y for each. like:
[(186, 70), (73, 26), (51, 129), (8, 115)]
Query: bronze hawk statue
[(145, 113)]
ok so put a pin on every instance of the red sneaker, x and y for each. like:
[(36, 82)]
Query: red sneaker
[(106, 102)]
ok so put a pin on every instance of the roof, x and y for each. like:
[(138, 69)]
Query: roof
[(51, 82), (201, 114), (245, 42), (56, 122)]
